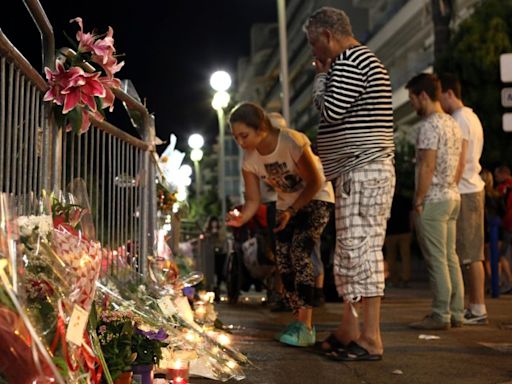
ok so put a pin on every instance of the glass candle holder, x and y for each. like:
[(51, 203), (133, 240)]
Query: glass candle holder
[(178, 371), (200, 310)]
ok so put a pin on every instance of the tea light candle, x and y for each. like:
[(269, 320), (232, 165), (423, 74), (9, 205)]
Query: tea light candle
[(179, 380), (200, 310)]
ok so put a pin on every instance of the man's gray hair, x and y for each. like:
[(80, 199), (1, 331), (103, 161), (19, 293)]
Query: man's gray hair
[(334, 20)]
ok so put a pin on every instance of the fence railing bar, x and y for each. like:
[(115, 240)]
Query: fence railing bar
[(9, 51), (133, 188), (16, 111), (19, 128), (32, 137), (3, 102), (114, 131), (41, 148), (22, 155), (103, 161), (45, 28), (99, 203), (123, 202), (138, 216), (10, 96), (71, 157), (79, 156), (87, 175), (26, 142), (110, 194)]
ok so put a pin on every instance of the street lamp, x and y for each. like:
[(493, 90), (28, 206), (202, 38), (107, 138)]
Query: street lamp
[(220, 81), (196, 142)]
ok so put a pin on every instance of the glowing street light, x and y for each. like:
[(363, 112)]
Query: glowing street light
[(220, 81), (196, 142)]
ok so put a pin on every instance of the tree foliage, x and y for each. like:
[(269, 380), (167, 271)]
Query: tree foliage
[(474, 56)]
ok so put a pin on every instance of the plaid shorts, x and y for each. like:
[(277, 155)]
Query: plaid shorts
[(363, 204)]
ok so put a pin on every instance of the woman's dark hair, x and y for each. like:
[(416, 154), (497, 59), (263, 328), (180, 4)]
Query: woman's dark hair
[(250, 114)]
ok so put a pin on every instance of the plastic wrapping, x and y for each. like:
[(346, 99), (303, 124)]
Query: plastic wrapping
[(23, 356)]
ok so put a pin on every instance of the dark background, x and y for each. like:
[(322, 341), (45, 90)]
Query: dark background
[(170, 49)]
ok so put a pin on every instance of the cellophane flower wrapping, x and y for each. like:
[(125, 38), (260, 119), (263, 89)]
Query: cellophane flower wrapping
[(59, 269), (159, 308), (24, 358)]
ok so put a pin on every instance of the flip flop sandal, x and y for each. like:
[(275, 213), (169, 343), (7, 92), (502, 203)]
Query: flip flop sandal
[(354, 352), (332, 341)]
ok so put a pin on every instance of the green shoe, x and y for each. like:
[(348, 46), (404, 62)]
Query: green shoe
[(288, 328), (299, 336)]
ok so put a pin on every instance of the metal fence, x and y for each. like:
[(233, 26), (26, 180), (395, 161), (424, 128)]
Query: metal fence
[(117, 169), (24, 128)]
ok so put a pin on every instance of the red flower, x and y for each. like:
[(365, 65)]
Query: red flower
[(72, 87)]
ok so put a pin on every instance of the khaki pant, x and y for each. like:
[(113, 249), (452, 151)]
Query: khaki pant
[(436, 227), (470, 228)]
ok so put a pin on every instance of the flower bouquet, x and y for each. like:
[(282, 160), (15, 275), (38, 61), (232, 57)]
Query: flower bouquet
[(82, 82), (58, 276), (24, 358)]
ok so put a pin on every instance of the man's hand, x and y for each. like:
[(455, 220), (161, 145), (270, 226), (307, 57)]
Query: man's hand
[(322, 66)]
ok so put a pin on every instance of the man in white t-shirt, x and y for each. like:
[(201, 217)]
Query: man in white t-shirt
[(470, 223), (439, 164)]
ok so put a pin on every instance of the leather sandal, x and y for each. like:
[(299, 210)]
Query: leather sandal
[(332, 341)]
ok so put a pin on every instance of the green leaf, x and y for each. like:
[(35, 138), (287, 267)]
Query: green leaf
[(75, 118), (93, 317)]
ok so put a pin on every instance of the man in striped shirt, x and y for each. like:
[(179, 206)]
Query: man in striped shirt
[(352, 92)]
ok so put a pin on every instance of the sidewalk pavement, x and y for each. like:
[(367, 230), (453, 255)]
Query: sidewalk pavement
[(468, 355)]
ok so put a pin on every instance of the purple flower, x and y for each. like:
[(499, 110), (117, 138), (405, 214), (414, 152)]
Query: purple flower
[(161, 335)]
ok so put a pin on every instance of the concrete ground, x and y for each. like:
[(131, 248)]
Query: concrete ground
[(468, 355)]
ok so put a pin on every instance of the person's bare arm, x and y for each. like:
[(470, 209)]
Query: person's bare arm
[(426, 166), (252, 201), (308, 171), (462, 161)]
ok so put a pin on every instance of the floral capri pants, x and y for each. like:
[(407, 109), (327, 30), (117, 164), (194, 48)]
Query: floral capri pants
[(294, 245)]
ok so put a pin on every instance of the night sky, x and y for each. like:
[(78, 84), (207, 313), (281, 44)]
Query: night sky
[(170, 49)]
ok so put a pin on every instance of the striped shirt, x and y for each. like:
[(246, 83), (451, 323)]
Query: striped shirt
[(356, 113)]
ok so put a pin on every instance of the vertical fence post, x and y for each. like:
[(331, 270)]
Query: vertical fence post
[(51, 135), (149, 197)]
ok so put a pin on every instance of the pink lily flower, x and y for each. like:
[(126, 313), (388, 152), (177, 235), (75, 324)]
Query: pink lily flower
[(59, 81), (111, 66), (82, 91), (109, 83), (105, 47), (87, 42)]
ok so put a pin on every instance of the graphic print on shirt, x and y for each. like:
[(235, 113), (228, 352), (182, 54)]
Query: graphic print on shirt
[(280, 177)]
